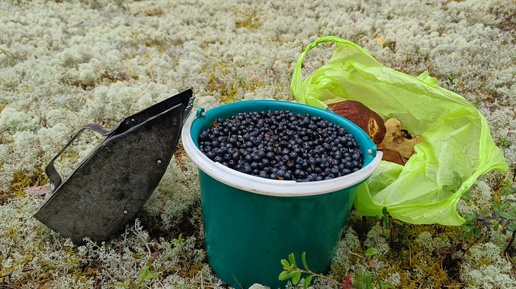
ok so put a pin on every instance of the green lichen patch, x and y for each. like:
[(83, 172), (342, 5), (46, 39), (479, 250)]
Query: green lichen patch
[(22, 180), (229, 84), (247, 18)]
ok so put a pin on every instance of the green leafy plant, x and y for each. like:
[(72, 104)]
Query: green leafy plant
[(364, 279), (476, 102), (504, 142), (384, 218), (291, 271), (500, 217), (505, 214), (187, 260), (471, 230), (144, 275), (399, 233), (451, 80), (455, 184)]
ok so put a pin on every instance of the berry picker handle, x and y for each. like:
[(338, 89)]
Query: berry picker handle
[(50, 169)]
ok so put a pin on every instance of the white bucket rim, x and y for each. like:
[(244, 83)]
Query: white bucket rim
[(269, 187)]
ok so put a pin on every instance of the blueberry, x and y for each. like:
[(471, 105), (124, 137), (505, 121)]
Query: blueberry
[(329, 177), (203, 136), (282, 145)]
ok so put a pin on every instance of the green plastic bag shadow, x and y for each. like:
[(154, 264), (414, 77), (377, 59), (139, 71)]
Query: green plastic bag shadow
[(457, 146)]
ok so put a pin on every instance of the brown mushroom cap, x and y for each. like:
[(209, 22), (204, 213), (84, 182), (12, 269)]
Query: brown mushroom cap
[(398, 139), (361, 115)]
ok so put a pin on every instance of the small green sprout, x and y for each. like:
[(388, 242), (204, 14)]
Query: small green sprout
[(291, 271), (384, 218), (144, 275), (504, 142)]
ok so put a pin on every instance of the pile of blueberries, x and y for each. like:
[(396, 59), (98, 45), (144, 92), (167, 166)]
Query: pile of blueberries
[(282, 145)]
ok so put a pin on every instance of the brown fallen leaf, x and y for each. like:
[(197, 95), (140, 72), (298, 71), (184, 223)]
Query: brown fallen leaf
[(37, 190), (392, 156)]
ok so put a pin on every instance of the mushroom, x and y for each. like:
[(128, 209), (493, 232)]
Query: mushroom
[(399, 139), (361, 115)]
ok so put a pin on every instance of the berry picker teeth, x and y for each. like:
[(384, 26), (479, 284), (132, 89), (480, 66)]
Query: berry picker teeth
[(282, 145)]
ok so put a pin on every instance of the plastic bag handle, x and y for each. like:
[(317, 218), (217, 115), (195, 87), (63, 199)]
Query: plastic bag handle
[(297, 77), (50, 169)]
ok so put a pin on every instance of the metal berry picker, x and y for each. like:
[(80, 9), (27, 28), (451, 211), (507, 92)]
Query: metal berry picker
[(112, 184)]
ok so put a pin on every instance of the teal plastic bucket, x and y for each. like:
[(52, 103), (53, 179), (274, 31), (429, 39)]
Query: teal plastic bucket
[(251, 223)]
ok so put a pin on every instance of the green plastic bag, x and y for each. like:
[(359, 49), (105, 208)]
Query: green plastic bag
[(457, 146)]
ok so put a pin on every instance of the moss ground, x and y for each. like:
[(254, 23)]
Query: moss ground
[(64, 64)]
